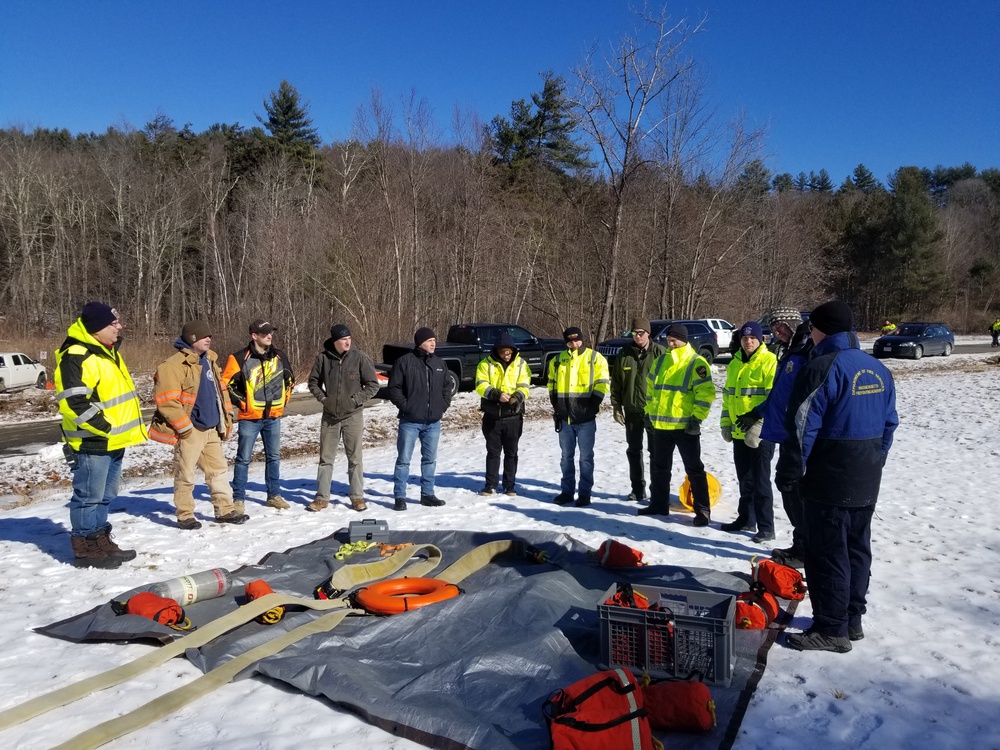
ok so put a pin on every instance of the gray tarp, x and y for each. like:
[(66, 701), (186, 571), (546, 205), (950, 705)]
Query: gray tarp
[(471, 672)]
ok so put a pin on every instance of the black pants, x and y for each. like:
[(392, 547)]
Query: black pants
[(792, 503), (635, 431), (996, 335), (663, 443), (502, 435), (838, 564), (753, 470)]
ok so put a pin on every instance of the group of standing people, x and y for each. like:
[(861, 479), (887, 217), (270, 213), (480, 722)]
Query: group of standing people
[(827, 405)]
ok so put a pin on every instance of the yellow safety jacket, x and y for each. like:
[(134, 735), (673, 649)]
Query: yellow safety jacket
[(578, 382), (996, 326), (747, 384), (96, 395), (679, 389), (493, 379), (887, 329)]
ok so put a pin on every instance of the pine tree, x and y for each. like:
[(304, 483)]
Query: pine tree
[(783, 182), (755, 179), (288, 121), (820, 183), (913, 233), (802, 182), (864, 180)]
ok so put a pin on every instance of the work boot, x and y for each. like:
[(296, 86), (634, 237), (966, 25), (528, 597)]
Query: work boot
[(790, 557), (239, 506), (634, 497), (653, 510), (358, 503), (189, 524), (87, 553), (854, 630), (317, 505), (486, 491), (233, 517), (583, 501), (112, 550), (400, 504), (431, 500), (742, 523), (509, 492), (274, 502), (813, 641), (701, 519), (563, 498), (762, 536)]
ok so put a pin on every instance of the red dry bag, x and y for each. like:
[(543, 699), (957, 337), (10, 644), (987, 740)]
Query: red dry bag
[(599, 712)]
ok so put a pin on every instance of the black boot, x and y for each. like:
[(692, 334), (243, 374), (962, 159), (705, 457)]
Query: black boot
[(654, 510)]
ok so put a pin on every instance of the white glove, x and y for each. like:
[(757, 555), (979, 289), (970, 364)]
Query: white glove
[(727, 433), (752, 438)]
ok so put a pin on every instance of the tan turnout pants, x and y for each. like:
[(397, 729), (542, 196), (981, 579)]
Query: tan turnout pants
[(201, 449)]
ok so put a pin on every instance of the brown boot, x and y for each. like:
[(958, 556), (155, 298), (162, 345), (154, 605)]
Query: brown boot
[(358, 503), (87, 553), (112, 550), (318, 504)]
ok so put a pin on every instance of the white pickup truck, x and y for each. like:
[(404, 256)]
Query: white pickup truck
[(19, 371)]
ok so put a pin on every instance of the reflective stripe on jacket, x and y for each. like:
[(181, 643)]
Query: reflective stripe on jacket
[(748, 384), (578, 383), (629, 374), (259, 384), (679, 389), (175, 389), (493, 379), (96, 395)]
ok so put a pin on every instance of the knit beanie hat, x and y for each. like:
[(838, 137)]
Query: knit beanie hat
[(640, 324), (195, 331), (422, 334), (832, 317), (678, 331), (339, 331), (787, 315), (96, 315), (752, 328), (572, 334)]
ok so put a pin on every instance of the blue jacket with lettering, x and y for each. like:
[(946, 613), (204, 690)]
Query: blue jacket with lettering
[(840, 420)]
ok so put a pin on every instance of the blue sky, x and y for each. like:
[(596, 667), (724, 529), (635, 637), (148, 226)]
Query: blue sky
[(835, 83)]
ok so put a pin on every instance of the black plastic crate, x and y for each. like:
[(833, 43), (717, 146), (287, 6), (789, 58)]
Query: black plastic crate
[(693, 633)]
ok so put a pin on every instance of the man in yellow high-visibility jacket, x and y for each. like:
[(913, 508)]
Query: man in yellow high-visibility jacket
[(502, 381), (679, 394), (100, 418), (579, 379)]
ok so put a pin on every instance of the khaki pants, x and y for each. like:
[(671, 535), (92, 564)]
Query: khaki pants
[(352, 430), (201, 449)]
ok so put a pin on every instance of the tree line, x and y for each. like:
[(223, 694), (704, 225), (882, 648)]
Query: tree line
[(597, 198)]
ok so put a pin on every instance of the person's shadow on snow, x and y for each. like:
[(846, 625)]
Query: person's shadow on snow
[(50, 537)]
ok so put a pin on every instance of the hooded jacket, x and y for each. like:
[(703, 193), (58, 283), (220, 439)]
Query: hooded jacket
[(495, 377), (342, 382)]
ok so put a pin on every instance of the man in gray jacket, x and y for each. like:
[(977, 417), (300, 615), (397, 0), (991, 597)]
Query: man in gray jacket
[(342, 379)]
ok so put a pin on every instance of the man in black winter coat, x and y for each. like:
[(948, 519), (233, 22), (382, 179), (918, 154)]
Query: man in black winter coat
[(419, 387)]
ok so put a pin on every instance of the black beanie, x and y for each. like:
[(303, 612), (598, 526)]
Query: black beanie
[(832, 317), (339, 331), (422, 334), (678, 331), (97, 315), (572, 334)]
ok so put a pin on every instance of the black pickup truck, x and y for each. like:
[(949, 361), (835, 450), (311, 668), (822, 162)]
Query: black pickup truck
[(468, 344)]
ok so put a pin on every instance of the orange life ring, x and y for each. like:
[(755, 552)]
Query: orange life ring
[(400, 595)]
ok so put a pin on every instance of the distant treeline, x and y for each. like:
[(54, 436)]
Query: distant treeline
[(577, 208)]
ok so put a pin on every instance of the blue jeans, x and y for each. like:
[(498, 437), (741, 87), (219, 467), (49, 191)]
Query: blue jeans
[(406, 440), (95, 484), (571, 436), (270, 432)]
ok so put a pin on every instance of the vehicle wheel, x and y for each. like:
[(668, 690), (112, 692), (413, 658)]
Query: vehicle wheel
[(40, 383), (707, 354), (947, 349), (453, 382), (918, 352), (3, 386)]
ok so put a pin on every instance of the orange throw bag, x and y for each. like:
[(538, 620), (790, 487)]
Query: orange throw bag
[(156, 608), (679, 706), (755, 610), (599, 712), (782, 581), (612, 554), (257, 589)]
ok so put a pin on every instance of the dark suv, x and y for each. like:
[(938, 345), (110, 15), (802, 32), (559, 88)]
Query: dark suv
[(701, 337)]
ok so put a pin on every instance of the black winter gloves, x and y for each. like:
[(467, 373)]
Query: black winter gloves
[(748, 420)]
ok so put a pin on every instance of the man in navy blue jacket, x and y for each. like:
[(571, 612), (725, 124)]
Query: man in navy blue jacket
[(840, 420)]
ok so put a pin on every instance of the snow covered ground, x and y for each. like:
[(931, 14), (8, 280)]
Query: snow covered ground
[(926, 675)]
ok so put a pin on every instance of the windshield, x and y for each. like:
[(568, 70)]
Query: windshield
[(909, 330)]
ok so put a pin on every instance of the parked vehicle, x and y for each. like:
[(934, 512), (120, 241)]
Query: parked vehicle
[(914, 340), (467, 344), (723, 332), (701, 337), (19, 371)]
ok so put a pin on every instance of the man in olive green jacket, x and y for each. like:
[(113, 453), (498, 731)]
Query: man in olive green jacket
[(628, 399)]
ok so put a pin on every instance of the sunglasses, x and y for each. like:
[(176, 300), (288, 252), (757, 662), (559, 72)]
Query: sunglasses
[(640, 333)]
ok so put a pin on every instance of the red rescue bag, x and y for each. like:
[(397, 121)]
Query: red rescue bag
[(679, 706), (782, 581), (612, 554), (626, 596), (756, 609), (156, 608), (257, 589), (599, 712)]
